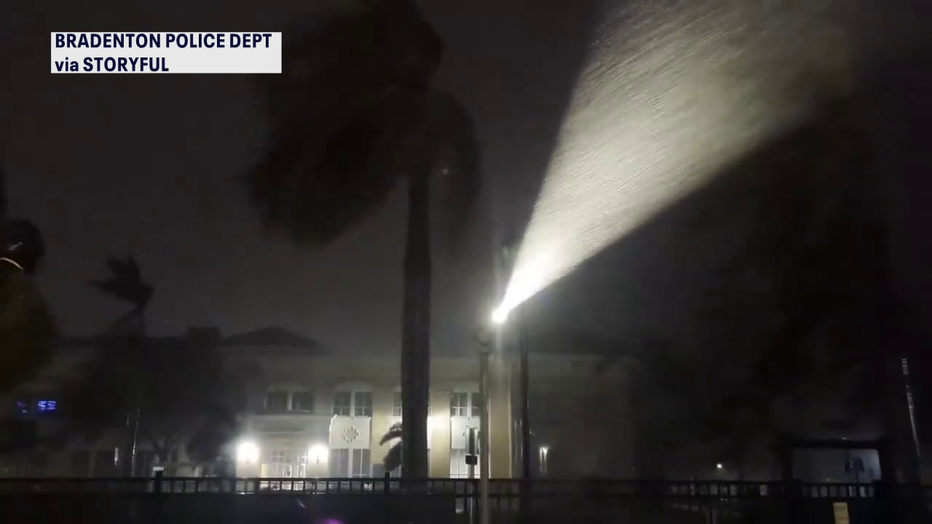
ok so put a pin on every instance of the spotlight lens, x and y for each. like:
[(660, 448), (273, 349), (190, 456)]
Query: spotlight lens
[(500, 315)]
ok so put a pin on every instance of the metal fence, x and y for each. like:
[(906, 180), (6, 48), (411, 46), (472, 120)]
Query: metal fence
[(437, 501)]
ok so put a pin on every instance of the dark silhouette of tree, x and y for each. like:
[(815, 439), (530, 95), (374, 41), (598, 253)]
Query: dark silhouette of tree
[(27, 328), (126, 284), (179, 384), (353, 114), (393, 457), (3, 203), (794, 326)]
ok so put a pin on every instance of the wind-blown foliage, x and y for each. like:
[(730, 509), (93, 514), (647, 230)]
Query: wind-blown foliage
[(126, 284), (392, 459), (178, 384), (797, 319), (352, 116)]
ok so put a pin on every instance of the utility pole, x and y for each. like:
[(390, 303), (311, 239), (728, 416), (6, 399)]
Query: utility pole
[(484, 432), (525, 403)]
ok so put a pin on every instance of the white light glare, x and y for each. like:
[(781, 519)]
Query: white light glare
[(647, 125), (719, 466), (500, 315), (318, 453), (247, 452)]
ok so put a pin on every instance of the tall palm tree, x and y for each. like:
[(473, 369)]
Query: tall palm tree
[(353, 114), (126, 284)]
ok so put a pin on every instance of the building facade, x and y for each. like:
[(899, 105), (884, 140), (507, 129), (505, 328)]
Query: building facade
[(306, 413)]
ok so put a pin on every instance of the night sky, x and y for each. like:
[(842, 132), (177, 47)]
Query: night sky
[(152, 166)]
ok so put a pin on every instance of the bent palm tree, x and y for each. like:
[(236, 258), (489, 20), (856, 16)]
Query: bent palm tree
[(127, 284), (352, 115), (393, 457)]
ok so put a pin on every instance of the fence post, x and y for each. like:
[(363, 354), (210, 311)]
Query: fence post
[(157, 488)]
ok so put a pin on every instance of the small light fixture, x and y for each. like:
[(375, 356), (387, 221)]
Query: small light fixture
[(318, 453), (719, 466), (247, 452), (500, 315)]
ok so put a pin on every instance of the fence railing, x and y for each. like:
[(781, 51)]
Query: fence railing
[(504, 488), (455, 500)]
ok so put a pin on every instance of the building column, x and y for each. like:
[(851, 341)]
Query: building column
[(500, 418), (440, 433)]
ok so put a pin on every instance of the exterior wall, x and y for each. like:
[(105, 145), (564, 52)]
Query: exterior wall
[(589, 421), (328, 375)]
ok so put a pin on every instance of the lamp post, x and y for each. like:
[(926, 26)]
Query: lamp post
[(485, 350)]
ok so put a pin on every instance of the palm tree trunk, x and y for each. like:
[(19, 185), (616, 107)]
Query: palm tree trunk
[(415, 337)]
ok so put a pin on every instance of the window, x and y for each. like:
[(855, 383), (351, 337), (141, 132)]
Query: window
[(342, 404), (363, 404), (46, 406), (458, 467), (302, 401), (339, 463), (396, 404), (459, 404), (278, 456), (276, 401), (362, 464), (476, 405)]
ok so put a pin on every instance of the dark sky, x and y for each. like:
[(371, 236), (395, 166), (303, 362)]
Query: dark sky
[(150, 165)]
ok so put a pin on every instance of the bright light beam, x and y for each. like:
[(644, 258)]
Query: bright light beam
[(664, 103)]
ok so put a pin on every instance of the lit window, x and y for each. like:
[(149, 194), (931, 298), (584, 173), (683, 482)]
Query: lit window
[(276, 401), (458, 467), (302, 401), (342, 404), (46, 406), (340, 463), (363, 404), (396, 404), (459, 404), (362, 463)]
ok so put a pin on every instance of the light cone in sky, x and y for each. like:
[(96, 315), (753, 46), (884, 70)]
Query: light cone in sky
[(669, 97)]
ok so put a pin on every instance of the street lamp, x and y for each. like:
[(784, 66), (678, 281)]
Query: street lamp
[(247, 452)]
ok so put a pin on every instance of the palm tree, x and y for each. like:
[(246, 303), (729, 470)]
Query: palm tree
[(353, 114), (393, 458), (126, 283)]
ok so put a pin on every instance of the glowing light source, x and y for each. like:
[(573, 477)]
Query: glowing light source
[(647, 125), (500, 315), (318, 453), (247, 452), (719, 466)]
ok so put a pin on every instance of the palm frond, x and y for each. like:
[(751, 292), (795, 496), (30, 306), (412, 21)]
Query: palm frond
[(393, 433), (341, 60), (392, 459), (126, 282)]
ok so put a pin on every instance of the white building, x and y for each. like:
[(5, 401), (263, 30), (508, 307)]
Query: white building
[(308, 413)]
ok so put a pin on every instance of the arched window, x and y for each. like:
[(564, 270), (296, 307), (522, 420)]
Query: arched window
[(352, 400), (465, 401), (283, 398)]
